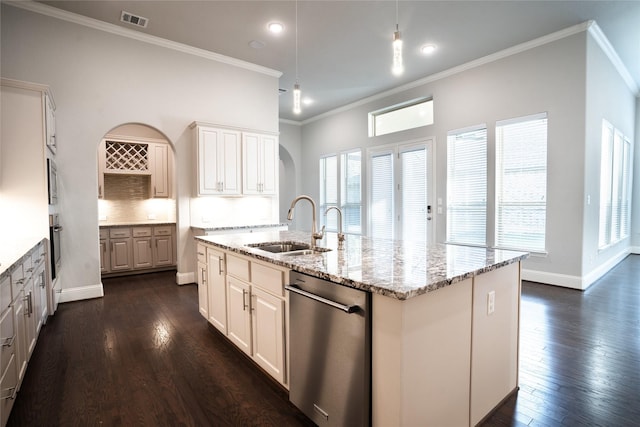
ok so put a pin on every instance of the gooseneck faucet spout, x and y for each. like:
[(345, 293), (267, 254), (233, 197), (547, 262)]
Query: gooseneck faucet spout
[(340, 233), (315, 235)]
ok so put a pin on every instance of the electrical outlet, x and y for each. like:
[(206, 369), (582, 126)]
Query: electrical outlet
[(491, 302), (151, 216)]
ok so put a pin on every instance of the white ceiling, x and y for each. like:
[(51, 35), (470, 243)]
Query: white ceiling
[(344, 51)]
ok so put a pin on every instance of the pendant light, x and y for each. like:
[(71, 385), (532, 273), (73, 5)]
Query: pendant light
[(296, 88), (397, 68)]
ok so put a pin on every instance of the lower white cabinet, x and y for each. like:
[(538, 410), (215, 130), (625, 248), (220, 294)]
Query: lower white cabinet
[(247, 302), (23, 311), (217, 289), (239, 313), (203, 291)]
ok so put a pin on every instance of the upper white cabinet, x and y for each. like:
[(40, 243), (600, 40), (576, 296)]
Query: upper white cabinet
[(234, 162), (159, 165), (118, 156), (218, 160), (260, 168)]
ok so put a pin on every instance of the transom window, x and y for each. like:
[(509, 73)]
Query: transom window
[(408, 115)]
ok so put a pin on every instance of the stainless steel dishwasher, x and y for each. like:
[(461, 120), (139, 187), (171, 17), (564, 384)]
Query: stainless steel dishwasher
[(330, 351)]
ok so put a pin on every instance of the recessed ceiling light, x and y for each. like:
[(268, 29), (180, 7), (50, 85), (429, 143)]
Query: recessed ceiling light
[(275, 27), (307, 101), (428, 49)]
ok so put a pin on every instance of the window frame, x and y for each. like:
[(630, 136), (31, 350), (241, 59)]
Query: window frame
[(330, 220)]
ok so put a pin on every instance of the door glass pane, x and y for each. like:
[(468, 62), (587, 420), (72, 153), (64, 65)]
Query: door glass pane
[(414, 194), (382, 196)]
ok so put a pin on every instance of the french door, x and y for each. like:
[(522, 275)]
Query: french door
[(400, 191)]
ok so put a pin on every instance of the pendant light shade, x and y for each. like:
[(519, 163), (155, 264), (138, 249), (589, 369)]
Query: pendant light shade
[(398, 67), (296, 99)]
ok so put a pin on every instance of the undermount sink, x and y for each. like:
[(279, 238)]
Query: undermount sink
[(287, 248)]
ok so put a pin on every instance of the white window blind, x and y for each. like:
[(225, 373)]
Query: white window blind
[(381, 200), (615, 186), (351, 191), (467, 186), (414, 194), (521, 183), (328, 187)]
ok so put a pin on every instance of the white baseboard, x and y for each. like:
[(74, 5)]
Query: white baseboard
[(81, 292), (185, 278), (577, 282), (564, 280)]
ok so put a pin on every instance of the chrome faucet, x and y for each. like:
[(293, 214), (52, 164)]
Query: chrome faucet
[(314, 234), (340, 233)]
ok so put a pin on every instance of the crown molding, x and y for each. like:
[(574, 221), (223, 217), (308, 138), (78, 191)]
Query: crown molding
[(95, 24), (611, 53)]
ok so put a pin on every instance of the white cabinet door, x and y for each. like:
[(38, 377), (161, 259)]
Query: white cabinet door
[(268, 332), (159, 165), (105, 258), (29, 312), (142, 255), (162, 251), (217, 289), (203, 290), (219, 156), (260, 164), (239, 313), (20, 321), (121, 256)]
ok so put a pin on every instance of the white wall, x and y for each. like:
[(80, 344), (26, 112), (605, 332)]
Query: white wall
[(290, 172), (101, 80), (550, 78), (608, 97), (635, 210)]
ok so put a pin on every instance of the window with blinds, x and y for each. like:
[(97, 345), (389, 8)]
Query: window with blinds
[(381, 209), (340, 186), (467, 186), (351, 191), (521, 183), (615, 186)]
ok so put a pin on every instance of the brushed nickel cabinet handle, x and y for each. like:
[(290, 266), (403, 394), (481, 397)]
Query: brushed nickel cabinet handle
[(8, 342)]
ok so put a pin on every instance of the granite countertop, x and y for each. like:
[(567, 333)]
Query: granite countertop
[(134, 223), (12, 251), (236, 227), (393, 268)]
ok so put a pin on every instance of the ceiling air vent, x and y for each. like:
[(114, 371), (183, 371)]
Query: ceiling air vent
[(132, 19)]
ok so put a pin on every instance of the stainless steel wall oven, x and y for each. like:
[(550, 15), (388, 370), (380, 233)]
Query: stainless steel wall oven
[(54, 238)]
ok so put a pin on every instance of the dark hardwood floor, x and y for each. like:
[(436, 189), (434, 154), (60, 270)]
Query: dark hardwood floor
[(143, 355)]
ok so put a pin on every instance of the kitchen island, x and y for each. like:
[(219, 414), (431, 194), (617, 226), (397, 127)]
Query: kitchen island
[(445, 319)]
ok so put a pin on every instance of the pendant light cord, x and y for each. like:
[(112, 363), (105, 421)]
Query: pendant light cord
[(296, 41)]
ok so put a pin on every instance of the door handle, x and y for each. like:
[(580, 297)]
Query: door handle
[(346, 308)]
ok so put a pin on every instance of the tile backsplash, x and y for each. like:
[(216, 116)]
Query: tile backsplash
[(126, 199)]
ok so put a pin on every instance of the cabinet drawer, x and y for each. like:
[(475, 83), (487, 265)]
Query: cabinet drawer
[(17, 279), (27, 266), (268, 278), (201, 252), (7, 339), (37, 256), (8, 385), (5, 293), (141, 232), (119, 232), (104, 233), (239, 267), (164, 230)]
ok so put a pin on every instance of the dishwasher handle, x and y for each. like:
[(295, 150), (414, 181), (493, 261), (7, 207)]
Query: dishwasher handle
[(346, 308)]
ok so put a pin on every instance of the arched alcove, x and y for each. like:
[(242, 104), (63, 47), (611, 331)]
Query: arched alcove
[(288, 189), (136, 187)]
